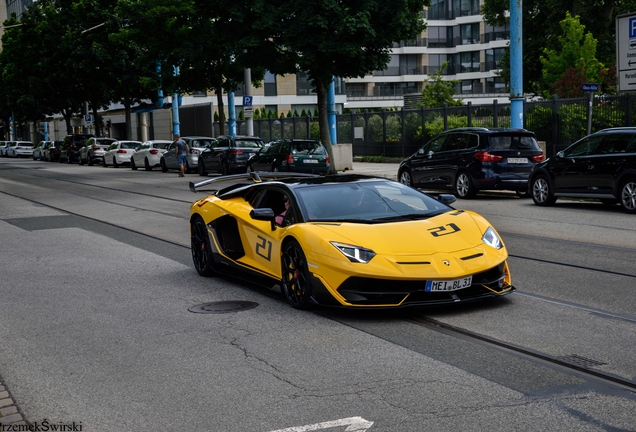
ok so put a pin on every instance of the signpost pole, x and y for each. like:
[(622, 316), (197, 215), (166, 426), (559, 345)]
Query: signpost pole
[(589, 112)]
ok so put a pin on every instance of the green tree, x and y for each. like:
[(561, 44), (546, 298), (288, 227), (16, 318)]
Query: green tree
[(541, 29), (438, 91), (348, 39), (565, 70)]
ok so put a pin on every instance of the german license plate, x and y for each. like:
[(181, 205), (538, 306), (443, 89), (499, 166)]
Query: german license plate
[(448, 285), (312, 161), (517, 160)]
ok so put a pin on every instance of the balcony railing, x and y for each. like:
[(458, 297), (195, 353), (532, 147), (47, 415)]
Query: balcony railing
[(401, 70), (495, 36)]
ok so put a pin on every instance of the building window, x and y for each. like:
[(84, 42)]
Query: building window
[(356, 89), (493, 58), (471, 87), (303, 86), (394, 89), (496, 85), (469, 34), (270, 84), (496, 33), (469, 62)]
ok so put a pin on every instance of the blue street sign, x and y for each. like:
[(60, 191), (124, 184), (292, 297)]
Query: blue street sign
[(247, 101), (88, 118), (590, 87), (632, 28)]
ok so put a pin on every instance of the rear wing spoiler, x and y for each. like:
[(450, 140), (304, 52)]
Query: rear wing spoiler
[(223, 182)]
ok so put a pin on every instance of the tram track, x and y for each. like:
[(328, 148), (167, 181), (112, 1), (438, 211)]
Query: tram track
[(552, 361)]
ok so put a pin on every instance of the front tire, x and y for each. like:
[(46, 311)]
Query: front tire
[(406, 178), (132, 165), (542, 193), (200, 246), (464, 187), (628, 195), (296, 282), (225, 168)]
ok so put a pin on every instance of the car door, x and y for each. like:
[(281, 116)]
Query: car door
[(170, 157), (424, 164), (605, 168), (572, 173), (262, 245), (271, 156), (217, 151)]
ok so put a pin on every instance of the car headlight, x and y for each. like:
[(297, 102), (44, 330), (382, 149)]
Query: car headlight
[(491, 238), (355, 253)]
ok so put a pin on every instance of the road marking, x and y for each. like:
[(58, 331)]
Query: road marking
[(355, 424)]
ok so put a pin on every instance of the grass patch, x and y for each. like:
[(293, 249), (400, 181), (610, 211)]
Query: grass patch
[(380, 159)]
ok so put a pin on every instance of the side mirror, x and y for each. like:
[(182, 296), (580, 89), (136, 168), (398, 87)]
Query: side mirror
[(560, 154), (429, 154), (447, 199), (264, 214), (420, 150)]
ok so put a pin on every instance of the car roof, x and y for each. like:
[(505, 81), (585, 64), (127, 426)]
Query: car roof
[(239, 184)]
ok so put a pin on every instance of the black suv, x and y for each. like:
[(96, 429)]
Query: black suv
[(69, 151), (467, 160), (228, 154), (296, 155), (600, 166)]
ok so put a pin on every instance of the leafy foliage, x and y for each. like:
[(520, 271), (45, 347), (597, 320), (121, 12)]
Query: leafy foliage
[(565, 70), (439, 92)]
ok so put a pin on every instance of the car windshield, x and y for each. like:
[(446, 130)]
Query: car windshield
[(249, 143), (306, 148), (366, 202), (505, 142)]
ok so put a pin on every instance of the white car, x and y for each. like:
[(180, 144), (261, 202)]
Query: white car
[(119, 153), (4, 145), (20, 149), (149, 154), (38, 150)]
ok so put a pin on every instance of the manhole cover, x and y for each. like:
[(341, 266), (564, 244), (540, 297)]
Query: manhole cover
[(223, 307)]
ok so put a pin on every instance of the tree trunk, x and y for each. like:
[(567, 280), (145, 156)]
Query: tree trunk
[(323, 121), (128, 112), (67, 118)]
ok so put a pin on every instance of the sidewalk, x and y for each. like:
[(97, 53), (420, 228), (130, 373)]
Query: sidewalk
[(388, 170)]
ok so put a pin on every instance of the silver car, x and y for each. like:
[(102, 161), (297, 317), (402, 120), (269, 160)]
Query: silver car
[(195, 145), (38, 150), (94, 150), (149, 154)]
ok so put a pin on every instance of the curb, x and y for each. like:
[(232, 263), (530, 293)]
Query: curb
[(9, 412)]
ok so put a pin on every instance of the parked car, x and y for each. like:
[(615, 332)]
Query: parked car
[(600, 166), (38, 150), (94, 150), (3, 148), (467, 160), (196, 146), (20, 149), (119, 153), (52, 151), (149, 154), (303, 156), (229, 154), (69, 151)]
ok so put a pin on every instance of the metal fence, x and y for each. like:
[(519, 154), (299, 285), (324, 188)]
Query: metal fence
[(558, 122)]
